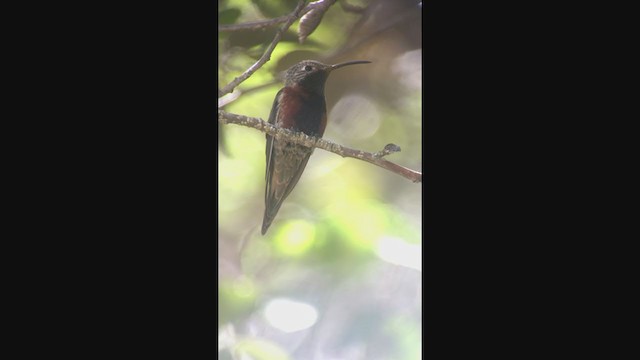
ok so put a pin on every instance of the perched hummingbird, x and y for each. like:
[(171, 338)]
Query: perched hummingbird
[(298, 106)]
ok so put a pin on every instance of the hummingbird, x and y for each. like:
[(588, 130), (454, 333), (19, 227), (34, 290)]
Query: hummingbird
[(299, 106)]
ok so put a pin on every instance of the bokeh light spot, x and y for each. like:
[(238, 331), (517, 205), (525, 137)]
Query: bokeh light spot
[(244, 288), (295, 237), (399, 252), (355, 117), (289, 316)]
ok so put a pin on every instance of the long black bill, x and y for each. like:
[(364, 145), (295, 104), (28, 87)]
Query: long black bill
[(333, 67)]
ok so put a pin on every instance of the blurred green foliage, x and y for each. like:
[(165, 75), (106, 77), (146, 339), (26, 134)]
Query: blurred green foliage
[(322, 244)]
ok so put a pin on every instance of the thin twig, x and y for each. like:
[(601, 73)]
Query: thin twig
[(267, 54), (310, 141), (396, 20), (388, 149), (261, 24), (229, 98), (254, 25), (235, 95)]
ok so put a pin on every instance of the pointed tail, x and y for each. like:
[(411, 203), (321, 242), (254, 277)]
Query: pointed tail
[(266, 222), (270, 213)]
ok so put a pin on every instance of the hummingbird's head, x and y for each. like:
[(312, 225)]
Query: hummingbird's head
[(312, 75)]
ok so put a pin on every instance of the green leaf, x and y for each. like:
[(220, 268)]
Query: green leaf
[(229, 16)]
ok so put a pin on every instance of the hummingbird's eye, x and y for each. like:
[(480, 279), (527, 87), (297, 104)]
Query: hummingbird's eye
[(308, 68)]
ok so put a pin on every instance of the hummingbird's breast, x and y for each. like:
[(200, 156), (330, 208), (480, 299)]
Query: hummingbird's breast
[(302, 110)]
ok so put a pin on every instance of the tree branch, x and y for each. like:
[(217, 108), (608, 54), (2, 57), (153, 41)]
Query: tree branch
[(261, 24), (314, 142), (254, 25), (291, 18)]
